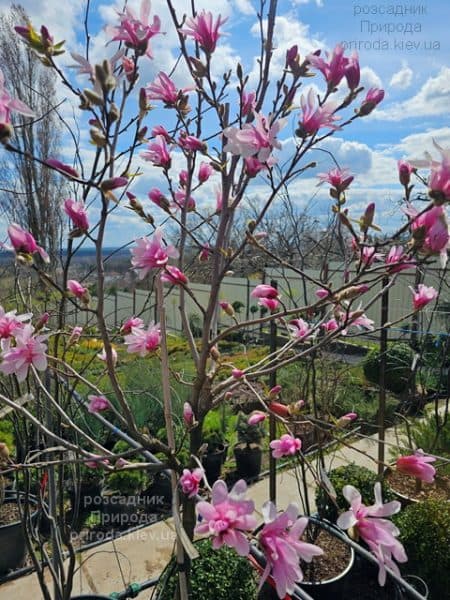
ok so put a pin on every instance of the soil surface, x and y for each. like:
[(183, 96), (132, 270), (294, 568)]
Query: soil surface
[(334, 560), (9, 513), (406, 485)]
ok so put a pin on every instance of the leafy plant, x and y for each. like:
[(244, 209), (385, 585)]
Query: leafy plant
[(425, 534), (361, 478), (215, 575), (126, 482), (249, 434), (399, 358)]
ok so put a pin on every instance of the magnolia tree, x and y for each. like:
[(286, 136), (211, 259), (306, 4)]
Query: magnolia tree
[(221, 130)]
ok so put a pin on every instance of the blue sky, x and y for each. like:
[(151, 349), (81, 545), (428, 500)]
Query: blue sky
[(407, 54)]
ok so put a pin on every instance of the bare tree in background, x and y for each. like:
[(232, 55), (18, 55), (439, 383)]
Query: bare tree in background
[(31, 194)]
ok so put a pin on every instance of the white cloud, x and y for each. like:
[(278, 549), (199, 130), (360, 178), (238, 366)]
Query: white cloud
[(370, 79), (431, 100), (298, 2), (403, 78), (245, 7)]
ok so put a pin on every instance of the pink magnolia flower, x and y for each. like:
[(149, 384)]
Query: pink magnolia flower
[(183, 178), (275, 391), (397, 260), (158, 153), (29, 350), (439, 179), (430, 231), (77, 213), (287, 445), (227, 517), (358, 319), (279, 409), (188, 414), (256, 139), (299, 328), (333, 70), (136, 32), (237, 373), (369, 255), (373, 97), (417, 465), (24, 244), (129, 323), (340, 179), (346, 419), (10, 322), (352, 71), (404, 172), (283, 548), (75, 335), (158, 198), (183, 201), (378, 533), (263, 290), (204, 172), (205, 253), (423, 296), (60, 166), (248, 103), (163, 89), (77, 289), (227, 308), (190, 481), (203, 30), (173, 275), (149, 253), (102, 355), (322, 293), (97, 462), (129, 68), (330, 325), (270, 303), (256, 417), (143, 341), (160, 130), (98, 404), (253, 166), (314, 116), (8, 105), (191, 143)]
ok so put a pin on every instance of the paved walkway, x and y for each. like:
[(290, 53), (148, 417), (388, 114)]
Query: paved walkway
[(142, 555)]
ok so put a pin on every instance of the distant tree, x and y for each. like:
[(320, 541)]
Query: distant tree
[(30, 194)]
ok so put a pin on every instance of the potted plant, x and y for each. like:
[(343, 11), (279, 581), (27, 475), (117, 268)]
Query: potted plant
[(12, 536), (248, 451), (215, 575), (121, 500), (215, 454)]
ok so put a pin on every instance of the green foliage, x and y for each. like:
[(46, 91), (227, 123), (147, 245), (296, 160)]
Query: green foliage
[(425, 534), (125, 481), (359, 477), (399, 358), (7, 434), (249, 434), (215, 575), (354, 398)]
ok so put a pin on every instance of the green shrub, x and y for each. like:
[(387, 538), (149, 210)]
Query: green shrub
[(399, 358), (125, 481), (7, 434), (215, 575), (425, 534), (359, 477)]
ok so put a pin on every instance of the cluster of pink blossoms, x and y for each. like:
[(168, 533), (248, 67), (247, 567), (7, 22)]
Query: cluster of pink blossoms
[(29, 349), (377, 532), (143, 341)]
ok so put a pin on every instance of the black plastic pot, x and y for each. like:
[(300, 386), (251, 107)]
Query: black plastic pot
[(213, 461), (12, 539), (248, 460), (122, 512), (157, 498)]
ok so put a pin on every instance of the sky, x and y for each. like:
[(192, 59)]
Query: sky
[(403, 47)]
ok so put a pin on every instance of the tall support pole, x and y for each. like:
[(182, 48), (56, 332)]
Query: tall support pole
[(272, 420), (382, 396)]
